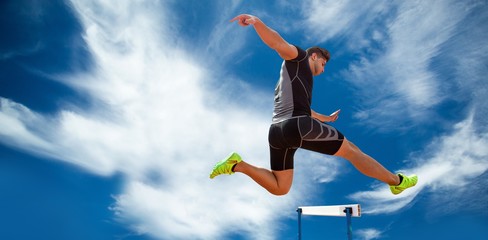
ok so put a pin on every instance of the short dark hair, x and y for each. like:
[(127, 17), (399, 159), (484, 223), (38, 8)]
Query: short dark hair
[(318, 50)]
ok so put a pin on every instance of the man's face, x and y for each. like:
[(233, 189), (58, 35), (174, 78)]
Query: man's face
[(317, 64)]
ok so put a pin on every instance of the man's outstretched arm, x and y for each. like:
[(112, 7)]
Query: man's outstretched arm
[(269, 36)]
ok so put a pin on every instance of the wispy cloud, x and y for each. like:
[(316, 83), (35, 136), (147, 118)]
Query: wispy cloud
[(368, 234), (325, 168), (344, 20), (5, 55), (406, 88)]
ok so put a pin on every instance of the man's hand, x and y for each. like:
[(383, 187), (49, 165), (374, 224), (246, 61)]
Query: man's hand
[(323, 118), (334, 116), (245, 20)]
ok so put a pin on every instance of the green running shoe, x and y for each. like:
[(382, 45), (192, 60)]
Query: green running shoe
[(407, 182), (225, 166)]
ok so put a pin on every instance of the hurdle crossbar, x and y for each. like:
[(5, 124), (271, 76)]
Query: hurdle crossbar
[(348, 211)]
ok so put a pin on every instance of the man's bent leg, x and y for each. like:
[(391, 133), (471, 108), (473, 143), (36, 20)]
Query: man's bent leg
[(276, 182), (366, 164)]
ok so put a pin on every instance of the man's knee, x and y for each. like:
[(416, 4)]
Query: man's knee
[(284, 181), (347, 150), (280, 191)]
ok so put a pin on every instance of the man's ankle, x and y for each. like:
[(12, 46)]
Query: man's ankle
[(400, 177)]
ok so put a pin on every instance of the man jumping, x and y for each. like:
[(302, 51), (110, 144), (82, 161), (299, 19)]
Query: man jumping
[(295, 125)]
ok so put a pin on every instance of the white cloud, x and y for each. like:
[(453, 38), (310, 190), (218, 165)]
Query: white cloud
[(337, 19), (450, 162), (368, 234), (10, 54), (325, 168), (15, 130), (406, 87)]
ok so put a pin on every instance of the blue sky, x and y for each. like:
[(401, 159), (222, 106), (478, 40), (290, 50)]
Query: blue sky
[(112, 114)]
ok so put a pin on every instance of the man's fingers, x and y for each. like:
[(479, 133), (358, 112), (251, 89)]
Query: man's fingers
[(243, 20), (335, 113)]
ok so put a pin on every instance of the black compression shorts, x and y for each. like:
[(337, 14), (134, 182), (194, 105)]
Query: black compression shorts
[(300, 132)]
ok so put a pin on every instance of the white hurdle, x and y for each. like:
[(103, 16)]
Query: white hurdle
[(348, 211)]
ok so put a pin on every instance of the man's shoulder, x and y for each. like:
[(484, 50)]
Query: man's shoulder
[(302, 55)]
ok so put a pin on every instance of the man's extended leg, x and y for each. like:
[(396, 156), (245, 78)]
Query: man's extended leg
[(366, 164), (370, 167)]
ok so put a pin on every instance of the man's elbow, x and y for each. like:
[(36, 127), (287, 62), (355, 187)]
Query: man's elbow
[(286, 51)]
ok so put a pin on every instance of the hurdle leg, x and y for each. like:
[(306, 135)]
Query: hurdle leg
[(299, 210), (348, 211)]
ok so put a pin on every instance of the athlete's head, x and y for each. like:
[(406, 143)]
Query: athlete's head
[(317, 58)]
